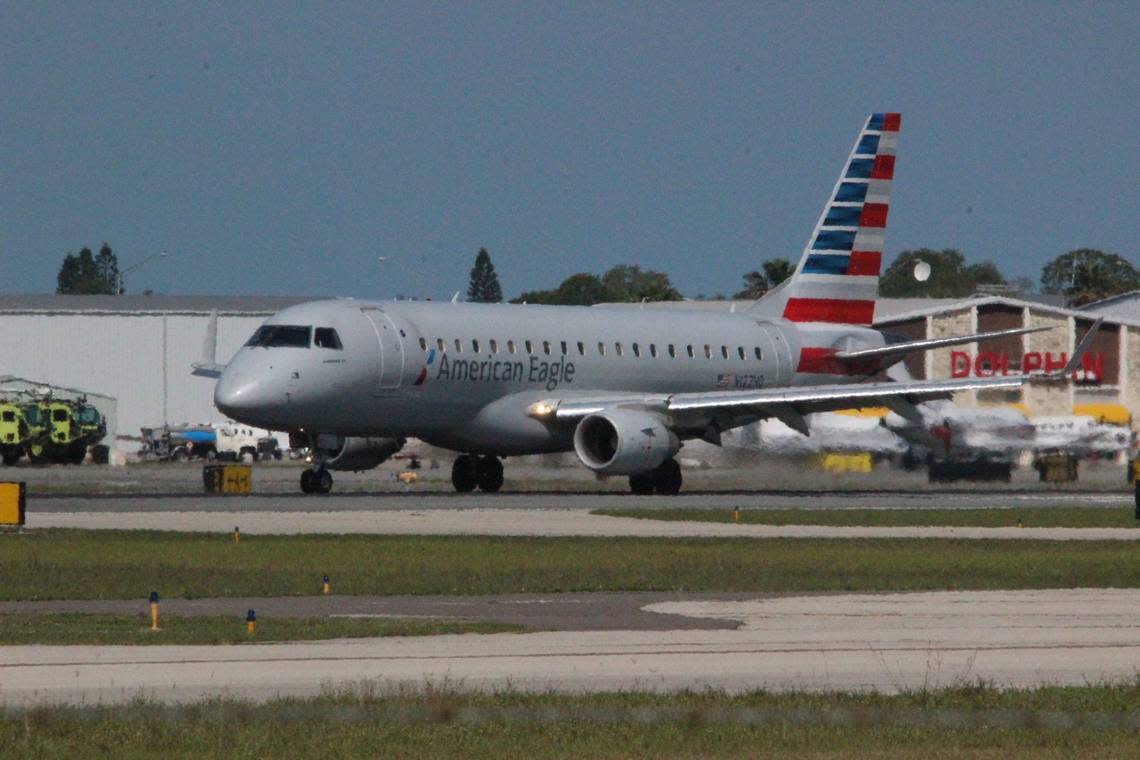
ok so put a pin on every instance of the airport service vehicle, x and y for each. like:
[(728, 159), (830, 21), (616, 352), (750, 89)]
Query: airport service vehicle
[(958, 443), (14, 432), (242, 443), (623, 388), (225, 441), (50, 430), (178, 443)]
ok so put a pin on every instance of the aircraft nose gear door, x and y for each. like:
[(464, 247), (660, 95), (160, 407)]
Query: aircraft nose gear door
[(390, 349)]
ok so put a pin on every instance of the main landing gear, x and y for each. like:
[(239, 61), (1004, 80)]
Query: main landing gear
[(316, 480), (469, 471), (663, 481)]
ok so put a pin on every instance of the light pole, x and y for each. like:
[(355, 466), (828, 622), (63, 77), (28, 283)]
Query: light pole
[(133, 267)]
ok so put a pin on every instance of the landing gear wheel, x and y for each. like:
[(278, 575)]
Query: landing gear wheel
[(667, 478), (307, 481), (641, 484), (464, 475), (489, 474), (322, 481)]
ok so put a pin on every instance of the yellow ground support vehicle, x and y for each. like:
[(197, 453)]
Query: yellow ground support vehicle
[(61, 430), (13, 432)]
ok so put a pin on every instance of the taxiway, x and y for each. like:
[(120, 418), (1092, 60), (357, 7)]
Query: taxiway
[(848, 642)]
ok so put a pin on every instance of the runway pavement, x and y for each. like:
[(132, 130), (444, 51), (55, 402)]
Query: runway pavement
[(431, 500), (851, 642), (521, 522), (584, 611)]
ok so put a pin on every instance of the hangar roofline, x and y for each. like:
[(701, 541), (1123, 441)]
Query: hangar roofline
[(966, 303), (184, 305), (1126, 296)]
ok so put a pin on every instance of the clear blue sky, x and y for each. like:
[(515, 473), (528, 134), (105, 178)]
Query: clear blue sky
[(281, 148)]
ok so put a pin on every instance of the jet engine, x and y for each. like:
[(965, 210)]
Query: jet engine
[(358, 454), (624, 442)]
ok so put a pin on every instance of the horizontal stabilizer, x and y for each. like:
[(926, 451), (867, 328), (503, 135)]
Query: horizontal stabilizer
[(201, 369), (896, 350)]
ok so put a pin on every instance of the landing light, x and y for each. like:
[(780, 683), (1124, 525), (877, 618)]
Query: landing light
[(540, 410)]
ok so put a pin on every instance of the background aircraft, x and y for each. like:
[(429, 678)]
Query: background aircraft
[(621, 387)]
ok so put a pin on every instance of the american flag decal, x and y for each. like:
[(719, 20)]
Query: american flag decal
[(723, 381)]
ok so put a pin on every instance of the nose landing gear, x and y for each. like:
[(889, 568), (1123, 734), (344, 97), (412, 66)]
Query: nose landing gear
[(470, 471), (316, 480)]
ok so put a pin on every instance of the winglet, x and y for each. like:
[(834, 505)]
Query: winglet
[(1082, 347)]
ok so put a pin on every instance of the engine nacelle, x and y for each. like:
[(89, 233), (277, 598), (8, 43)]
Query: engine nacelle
[(624, 442), (360, 453)]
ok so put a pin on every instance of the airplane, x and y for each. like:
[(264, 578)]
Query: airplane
[(955, 442), (1080, 435), (623, 388), (831, 432)]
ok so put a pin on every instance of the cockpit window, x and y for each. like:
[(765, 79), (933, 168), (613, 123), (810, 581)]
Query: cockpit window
[(275, 336), (326, 337)]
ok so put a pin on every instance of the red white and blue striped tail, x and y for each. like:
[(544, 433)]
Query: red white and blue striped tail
[(837, 279)]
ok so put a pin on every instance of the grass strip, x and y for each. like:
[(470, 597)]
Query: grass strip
[(76, 628), (1037, 517), (76, 564), (973, 721)]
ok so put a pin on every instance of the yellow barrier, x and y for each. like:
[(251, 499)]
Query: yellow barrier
[(837, 463), (13, 503), (407, 477), (1108, 414), (227, 478)]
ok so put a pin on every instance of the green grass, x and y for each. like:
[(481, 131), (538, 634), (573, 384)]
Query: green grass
[(1039, 517), (216, 629), (977, 722), (74, 564)]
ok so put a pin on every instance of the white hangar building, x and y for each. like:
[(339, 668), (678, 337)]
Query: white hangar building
[(135, 349)]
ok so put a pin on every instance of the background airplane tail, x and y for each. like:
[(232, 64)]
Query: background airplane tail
[(837, 278)]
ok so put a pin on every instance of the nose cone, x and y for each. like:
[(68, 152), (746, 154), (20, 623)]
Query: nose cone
[(241, 396)]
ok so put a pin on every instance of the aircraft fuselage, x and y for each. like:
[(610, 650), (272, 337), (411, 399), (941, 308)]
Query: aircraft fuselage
[(462, 375)]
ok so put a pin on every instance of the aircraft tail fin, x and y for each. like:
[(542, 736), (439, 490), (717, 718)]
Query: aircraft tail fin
[(208, 366), (837, 278)]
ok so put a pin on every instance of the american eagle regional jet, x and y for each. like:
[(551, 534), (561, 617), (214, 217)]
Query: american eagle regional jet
[(623, 388)]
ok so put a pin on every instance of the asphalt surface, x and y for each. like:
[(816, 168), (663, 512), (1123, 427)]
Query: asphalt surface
[(523, 522), (600, 611), (887, 643), (443, 500)]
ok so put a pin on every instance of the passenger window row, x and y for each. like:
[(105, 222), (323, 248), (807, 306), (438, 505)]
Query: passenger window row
[(548, 347)]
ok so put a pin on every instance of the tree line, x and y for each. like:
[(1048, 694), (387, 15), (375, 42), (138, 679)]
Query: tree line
[(1082, 276)]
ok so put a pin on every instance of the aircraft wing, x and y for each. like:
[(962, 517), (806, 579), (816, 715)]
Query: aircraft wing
[(789, 405)]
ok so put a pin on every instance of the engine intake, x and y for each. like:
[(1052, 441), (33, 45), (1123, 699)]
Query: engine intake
[(358, 454), (624, 442)]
